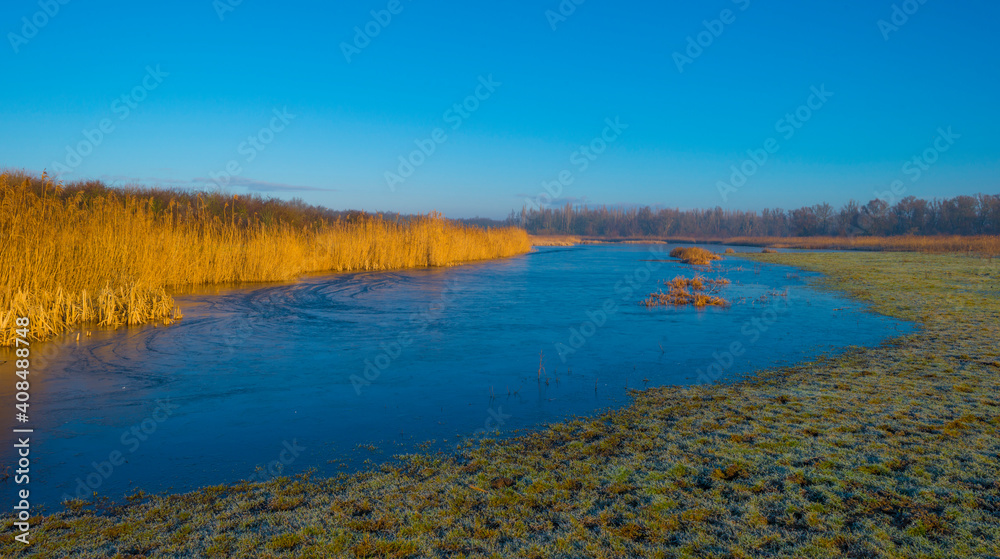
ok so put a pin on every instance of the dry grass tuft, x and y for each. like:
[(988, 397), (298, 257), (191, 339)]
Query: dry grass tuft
[(694, 255), (697, 283), (682, 291), (89, 254), (554, 240)]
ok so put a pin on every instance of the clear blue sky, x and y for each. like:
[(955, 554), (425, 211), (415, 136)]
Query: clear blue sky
[(353, 120)]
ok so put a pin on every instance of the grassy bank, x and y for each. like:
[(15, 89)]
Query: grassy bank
[(84, 253), (880, 452), (979, 245), (982, 245)]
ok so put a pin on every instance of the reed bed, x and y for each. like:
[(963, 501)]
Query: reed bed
[(983, 245), (79, 254), (555, 240), (694, 255), (683, 297), (697, 283), (683, 291)]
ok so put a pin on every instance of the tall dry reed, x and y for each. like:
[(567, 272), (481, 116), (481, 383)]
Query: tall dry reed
[(71, 256)]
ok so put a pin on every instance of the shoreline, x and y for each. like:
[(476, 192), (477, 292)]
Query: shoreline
[(130, 245), (667, 446), (175, 312), (202, 305), (982, 245)]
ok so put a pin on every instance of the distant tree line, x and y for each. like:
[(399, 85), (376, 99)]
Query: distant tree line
[(961, 215)]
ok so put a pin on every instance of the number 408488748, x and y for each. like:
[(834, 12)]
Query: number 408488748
[(22, 363)]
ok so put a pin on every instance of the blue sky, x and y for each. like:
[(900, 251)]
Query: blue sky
[(208, 83)]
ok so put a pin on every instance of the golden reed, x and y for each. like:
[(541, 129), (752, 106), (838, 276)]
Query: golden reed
[(85, 253)]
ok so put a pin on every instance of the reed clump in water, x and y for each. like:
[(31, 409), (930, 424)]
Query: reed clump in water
[(682, 291), (85, 253), (697, 283), (694, 255)]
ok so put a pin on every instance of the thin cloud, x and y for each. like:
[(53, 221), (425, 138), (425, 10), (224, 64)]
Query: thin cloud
[(145, 180), (264, 186), (201, 182), (554, 202)]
